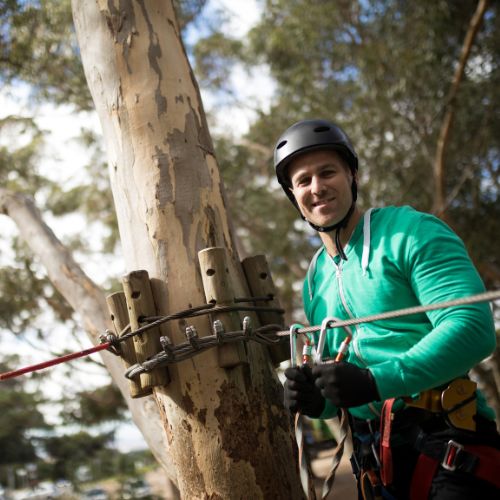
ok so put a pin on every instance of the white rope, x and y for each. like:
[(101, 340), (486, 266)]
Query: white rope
[(338, 453), (471, 299)]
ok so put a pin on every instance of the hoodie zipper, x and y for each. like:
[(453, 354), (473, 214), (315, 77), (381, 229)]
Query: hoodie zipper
[(338, 275)]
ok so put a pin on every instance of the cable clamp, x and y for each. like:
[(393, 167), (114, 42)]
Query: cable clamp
[(192, 336), (167, 347), (247, 327), (218, 329)]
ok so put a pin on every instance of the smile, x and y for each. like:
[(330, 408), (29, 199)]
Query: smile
[(322, 203)]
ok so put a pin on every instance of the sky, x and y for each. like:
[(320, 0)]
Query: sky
[(255, 88), (63, 160)]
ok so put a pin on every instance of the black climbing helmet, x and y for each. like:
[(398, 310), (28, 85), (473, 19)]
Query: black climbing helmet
[(308, 135)]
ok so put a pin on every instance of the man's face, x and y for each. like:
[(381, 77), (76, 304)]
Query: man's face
[(321, 183)]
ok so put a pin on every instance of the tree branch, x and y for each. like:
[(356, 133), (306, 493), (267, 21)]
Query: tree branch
[(78, 289), (88, 301), (475, 22)]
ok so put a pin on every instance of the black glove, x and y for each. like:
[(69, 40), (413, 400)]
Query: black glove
[(345, 384), (301, 394)]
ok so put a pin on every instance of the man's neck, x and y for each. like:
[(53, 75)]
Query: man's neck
[(345, 234)]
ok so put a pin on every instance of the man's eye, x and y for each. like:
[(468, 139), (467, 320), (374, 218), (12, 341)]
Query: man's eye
[(329, 173)]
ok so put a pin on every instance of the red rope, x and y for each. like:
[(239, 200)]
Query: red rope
[(55, 361)]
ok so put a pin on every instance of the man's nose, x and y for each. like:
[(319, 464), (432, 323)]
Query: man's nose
[(317, 185)]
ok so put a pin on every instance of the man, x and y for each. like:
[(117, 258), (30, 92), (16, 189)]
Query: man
[(438, 435)]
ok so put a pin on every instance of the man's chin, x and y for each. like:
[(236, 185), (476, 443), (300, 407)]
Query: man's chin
[(323, 222)]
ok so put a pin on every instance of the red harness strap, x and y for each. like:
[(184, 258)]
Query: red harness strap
[(485, 458), (385, 442), (423, 475)]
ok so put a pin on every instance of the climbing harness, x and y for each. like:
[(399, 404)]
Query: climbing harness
[(478, 460), (436, 444), (455, 402), (427, 443)]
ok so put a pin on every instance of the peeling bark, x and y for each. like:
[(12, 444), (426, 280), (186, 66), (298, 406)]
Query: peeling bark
[(170, 205)]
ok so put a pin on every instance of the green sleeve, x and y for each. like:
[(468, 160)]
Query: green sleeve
[(438, 268)]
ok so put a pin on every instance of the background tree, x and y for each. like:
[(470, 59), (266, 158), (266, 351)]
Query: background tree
[(75, 452), (20, 420), (83, 436)]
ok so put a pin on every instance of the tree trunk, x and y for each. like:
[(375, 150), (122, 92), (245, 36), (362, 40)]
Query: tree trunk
[(228, 433), (88, 301)]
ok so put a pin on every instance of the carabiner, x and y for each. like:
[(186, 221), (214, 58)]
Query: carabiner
[(322, 336), (326, 324)]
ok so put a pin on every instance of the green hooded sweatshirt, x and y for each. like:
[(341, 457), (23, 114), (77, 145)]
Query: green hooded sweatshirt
[(399, 258)]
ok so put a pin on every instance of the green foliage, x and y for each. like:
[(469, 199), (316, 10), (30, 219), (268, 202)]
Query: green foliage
[(18, 156), (38, 46), (26, 438), (214, 58), (90, 408), (70, 451), (25, 292), (19, 418), (187, 11)]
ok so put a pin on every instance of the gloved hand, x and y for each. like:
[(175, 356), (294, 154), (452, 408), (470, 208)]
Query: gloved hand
[(345, 384), (301, 394)]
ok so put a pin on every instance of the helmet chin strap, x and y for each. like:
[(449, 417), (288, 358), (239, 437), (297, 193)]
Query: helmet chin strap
[(343, 223), (335, 227)]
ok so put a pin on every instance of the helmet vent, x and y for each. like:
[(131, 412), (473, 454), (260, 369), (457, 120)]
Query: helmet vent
[(322, 128), (281, 144)]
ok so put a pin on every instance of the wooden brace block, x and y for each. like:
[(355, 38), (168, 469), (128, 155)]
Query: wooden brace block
[(140, 304), (218, 289), (117, 306), (260, 284)]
